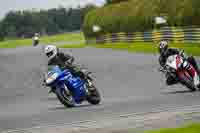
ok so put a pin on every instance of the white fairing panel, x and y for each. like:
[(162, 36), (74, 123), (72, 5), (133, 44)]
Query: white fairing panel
[(171, 61), (196, 79)]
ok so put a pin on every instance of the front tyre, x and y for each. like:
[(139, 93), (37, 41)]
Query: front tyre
[(64, 98), (188, 82)]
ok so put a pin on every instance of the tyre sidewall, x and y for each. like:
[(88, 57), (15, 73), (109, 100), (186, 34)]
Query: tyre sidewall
[(59, 93), (186, 81), (94, 97)]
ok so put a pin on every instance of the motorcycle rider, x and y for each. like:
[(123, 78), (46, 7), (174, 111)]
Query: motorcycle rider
[(36, 39), (165, 52), (55, 57)]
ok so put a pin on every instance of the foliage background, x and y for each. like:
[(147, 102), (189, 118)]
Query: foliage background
[(138, 15), (23, 24)]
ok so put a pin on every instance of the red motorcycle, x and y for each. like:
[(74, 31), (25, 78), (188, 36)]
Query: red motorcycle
[(175, 65)]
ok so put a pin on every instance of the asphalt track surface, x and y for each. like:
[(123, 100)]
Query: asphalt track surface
[(129, 83)]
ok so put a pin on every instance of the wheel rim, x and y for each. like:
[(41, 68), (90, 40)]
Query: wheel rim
[(67, 97)]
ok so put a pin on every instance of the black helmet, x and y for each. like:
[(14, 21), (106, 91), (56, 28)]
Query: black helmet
[(163, 46)]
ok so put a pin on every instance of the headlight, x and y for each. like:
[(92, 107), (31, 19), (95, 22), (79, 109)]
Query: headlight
[(51, 78)]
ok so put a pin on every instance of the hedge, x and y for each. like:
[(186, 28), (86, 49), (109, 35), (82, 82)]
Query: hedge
[(138, 15)]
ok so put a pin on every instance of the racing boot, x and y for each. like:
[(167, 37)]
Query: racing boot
[(89, 81), (84, 75)]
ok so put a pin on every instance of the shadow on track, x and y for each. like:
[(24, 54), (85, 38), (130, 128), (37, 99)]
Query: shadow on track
[(178, 92), (65, 108)]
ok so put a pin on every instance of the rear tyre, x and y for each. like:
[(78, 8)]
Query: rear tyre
[(94, 97), (190, 85), (65, 99)]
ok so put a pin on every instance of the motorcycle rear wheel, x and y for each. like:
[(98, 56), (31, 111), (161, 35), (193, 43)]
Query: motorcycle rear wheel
[(94, 97)]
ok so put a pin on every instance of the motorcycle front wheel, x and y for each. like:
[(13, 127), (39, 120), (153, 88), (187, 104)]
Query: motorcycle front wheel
[(187, 81), (64, 98)]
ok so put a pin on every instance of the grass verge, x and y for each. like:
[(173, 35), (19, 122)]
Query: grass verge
[(15, 43), (192, 128), (67, 37), (72, 46), (43, 40), (189, 48)]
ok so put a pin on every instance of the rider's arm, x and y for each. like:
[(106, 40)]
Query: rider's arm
[(66, 57), (162, 61)]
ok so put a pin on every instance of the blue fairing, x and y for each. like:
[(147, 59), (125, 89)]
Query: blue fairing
[(74, 84)]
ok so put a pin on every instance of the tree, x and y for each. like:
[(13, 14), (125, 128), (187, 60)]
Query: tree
[(1, 32), (26, 23), (87, 9)]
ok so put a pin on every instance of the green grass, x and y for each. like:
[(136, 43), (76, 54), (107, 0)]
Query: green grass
[(63, 37), (193, 49), (15, 43), (43, 40), (192, 128), (72, 46)]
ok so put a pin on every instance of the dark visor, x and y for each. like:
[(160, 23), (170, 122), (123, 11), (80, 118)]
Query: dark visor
[(49, 54)]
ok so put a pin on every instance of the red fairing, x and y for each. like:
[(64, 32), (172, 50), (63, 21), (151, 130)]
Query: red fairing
[(192, 70), (178, 61)]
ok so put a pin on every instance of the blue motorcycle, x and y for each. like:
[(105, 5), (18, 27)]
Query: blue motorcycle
[(71, 89)]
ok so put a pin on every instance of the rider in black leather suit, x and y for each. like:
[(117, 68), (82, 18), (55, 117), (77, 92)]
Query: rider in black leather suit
[(165, 52)]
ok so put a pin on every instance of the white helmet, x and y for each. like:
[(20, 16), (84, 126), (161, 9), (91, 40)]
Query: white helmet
[(163, 46), (36, 34), (50, 51)]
